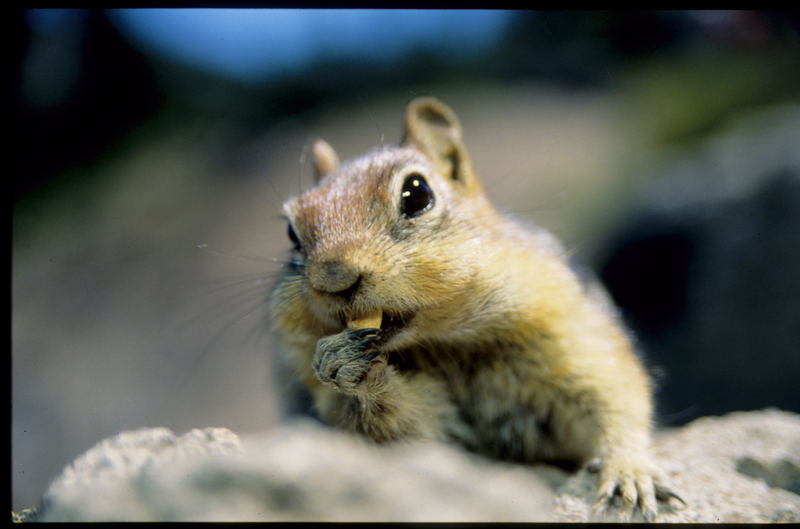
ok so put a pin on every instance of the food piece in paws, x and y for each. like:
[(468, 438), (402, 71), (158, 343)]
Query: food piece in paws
[(370, 321)]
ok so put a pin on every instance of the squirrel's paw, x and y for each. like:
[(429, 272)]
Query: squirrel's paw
[(350, 360), (636, 480)]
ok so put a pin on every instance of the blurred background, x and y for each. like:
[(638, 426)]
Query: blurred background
[(152, 149)]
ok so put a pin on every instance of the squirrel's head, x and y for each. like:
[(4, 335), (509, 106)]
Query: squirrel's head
[(397, 230)]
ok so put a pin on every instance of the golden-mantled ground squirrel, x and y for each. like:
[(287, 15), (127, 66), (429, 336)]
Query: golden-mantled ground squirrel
[(411, 308)]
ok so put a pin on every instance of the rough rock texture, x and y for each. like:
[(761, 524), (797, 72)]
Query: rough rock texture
[(743, 467)]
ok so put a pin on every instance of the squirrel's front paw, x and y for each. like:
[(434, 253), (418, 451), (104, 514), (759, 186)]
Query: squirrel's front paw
[(637, 481), (350, 360)]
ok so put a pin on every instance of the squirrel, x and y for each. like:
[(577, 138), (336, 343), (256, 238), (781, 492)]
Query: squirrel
[(411, 308)]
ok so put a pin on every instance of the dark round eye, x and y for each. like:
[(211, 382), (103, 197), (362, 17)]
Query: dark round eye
[(416, 197), (293, 237)]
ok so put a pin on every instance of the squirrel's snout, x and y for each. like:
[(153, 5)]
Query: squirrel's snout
[(335, 277)]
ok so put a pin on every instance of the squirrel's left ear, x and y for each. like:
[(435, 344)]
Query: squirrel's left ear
[(431, 126), (325, 158)]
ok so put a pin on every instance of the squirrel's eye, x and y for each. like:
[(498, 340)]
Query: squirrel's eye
[(293, 237), (416, 197)]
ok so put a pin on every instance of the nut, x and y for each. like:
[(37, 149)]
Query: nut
[(370, 321)]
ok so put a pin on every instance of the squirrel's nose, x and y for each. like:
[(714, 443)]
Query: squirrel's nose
[(335, 277)]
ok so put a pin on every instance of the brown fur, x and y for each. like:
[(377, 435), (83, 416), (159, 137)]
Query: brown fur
[(502, 349)]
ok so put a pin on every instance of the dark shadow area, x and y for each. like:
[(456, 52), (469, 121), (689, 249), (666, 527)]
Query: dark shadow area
[(712, 292)]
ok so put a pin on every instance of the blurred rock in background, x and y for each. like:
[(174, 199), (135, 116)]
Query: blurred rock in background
[(706, 270), (152, 149)]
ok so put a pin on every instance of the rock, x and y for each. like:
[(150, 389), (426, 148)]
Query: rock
[(704, 269), (744, 467), (303, 471), (112, 480)]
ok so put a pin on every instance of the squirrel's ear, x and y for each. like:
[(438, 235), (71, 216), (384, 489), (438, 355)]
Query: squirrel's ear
[(325, 158), (434, 128)]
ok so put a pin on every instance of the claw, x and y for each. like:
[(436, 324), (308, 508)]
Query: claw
[(647, 498), (604, 495), (366, 341), (360, 333), (607, 490), (665, 493), (636, 481), (629, 496), (372, 355)]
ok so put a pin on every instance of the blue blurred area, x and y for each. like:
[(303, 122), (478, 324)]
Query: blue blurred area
[(257, 44), (83, 79)]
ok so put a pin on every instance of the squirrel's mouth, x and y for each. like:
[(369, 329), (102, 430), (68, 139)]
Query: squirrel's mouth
[(390, 323)]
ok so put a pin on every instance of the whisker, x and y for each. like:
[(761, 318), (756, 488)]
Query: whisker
[(302, 163), (275, 200), (228, 292), (234, 279), (255, 259), (233, 286), (378, 128), (214, 344)]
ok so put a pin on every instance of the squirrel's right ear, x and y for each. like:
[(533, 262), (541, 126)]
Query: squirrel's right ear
[(434, 128), (325, 158)]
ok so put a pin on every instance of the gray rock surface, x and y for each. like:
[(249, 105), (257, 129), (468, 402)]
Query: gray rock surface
[(743, 467)]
